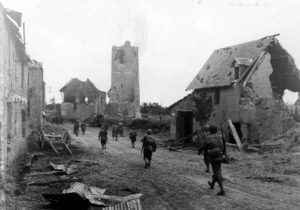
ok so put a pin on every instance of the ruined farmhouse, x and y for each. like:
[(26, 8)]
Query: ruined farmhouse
[(17, 77), (81, 100), (124, 94), (244, 83)]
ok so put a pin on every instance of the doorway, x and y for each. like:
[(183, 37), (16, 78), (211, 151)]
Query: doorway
[(184, 125)]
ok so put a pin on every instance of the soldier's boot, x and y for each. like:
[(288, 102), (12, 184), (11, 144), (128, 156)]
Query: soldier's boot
[(211, 185), (222, 191)]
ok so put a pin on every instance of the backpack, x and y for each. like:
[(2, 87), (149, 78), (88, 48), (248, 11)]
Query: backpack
[(150, 143)]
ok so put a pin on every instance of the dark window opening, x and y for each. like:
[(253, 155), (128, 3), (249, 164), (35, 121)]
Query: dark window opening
[(217, 96), (121, 85), (236, 73), (120, 56)]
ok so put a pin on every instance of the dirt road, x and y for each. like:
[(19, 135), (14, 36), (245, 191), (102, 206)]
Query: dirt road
[(175, 180)]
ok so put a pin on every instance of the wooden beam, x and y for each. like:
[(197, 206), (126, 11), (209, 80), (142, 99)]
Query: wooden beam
[(235, 135)]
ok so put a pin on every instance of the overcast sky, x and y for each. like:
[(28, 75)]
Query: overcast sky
[(73, 38)]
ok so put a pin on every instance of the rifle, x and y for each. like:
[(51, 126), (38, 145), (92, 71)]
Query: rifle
[(225, 159)]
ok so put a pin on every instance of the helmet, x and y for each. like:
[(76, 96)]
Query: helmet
[(149, 131)]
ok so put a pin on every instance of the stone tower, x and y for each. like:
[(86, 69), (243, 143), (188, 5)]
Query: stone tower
[(125, 89)]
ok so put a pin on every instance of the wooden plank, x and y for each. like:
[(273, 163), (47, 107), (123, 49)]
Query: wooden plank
[(69, 150), (53, 147), (235, 135)]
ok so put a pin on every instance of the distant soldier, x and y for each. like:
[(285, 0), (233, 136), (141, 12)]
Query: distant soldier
[(76, 128), (201, 139), (103, 137), (120, 129), (83, 127), (115, 131), (149, 146), (214, 146), (132, 136)]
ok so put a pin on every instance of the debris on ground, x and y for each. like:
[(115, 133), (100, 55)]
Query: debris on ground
[(83, 195), (62, 168)]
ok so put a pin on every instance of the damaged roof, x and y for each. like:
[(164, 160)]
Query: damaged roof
[(85, 85), (216, 72)]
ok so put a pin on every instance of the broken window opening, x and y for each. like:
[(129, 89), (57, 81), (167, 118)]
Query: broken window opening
[(289, 97), (217, 96), (236, 73), (120, 56), (285, 74)]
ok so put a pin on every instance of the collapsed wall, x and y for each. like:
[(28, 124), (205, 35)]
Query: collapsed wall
[(262, 110)]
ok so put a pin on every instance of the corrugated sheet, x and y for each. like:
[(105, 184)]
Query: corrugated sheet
[(128, 205), (216, 72)]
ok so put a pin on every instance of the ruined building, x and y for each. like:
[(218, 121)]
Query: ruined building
[(36, 94), (81, 100), (244, 83), (14, 83), (124, 94)]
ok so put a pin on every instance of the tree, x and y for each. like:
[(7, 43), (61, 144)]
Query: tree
[(203, 107)]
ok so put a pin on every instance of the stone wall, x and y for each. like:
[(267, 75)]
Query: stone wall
[(125, 78), (13, 95), (35, 95), (80, 112)]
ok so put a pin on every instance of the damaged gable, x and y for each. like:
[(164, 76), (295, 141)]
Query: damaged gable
[(77, 91), (218, 70)]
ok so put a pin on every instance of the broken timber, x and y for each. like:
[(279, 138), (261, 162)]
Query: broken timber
[(47, 137), (235, 135)]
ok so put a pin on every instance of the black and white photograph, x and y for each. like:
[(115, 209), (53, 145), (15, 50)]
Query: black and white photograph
[(149, 105)]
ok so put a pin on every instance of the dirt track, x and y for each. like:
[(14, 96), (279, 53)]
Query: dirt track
[(176, 180)]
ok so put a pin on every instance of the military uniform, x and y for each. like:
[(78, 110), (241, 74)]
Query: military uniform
[(103, 137), (76, 128), (149, 146), (83, 128), (213, 145), (115, 132), (132, 136), (201, 139)]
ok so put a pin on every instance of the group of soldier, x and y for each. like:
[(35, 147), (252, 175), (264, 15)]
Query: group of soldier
[(76, 128), (148, 142), (209, 142)]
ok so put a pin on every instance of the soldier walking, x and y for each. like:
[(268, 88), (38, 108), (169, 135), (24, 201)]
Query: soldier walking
[(76, 128), (214, 147), (115, 132), (132, 136), (83, 127), (149, 146), (200, 139), (103, 137)]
